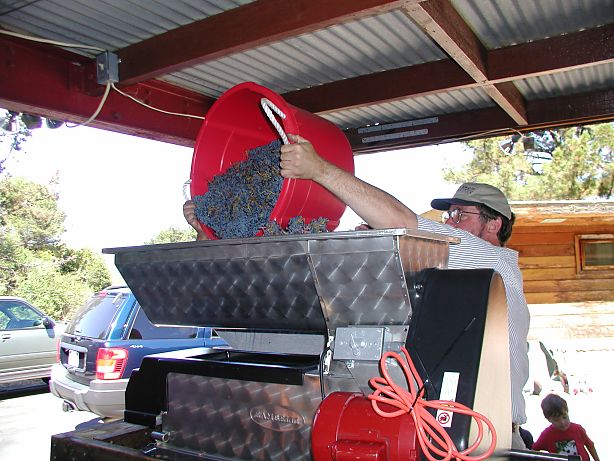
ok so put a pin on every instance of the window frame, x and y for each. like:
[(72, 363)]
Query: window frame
[(581, 267)]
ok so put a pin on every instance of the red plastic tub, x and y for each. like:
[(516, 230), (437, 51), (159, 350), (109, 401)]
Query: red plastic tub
[(237, 123)]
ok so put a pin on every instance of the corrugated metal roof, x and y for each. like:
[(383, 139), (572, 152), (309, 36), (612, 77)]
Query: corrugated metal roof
[(571, 82), (361, 47), (411, 108), (374, 43), (499, 23), (108, 24)]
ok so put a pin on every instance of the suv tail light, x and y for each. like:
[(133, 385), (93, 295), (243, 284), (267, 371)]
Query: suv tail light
[(111, 362)]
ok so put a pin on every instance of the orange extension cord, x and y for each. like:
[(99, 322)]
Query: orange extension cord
[(433, 438)]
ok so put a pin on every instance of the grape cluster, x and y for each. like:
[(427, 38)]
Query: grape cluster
[(296, 225), (239, 202)]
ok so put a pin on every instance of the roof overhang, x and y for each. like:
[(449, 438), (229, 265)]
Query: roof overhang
[(50, 81)]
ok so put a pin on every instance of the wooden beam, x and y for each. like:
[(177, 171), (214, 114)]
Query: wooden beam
[(431, 130), (537, 286), (504, 64), (446, 27), (51, 82), (556, 54), (392, 85), (593, 107), (440, 21), (248, 26)]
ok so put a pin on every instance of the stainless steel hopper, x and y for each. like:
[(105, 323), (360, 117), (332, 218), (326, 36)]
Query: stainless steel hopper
[(304, 316), (306, 283)]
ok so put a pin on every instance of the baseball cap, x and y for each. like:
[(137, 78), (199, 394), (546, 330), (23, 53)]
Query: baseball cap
[(475, 193)]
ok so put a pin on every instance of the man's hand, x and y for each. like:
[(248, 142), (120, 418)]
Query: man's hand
[(189, 214), (300, 160)]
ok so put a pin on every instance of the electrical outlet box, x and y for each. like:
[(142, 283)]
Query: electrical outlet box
[(107, 68)]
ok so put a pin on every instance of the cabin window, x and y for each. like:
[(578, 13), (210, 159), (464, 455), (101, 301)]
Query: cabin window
[(594, 252)]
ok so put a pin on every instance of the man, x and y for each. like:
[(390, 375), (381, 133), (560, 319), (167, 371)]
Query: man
[(478, 213)]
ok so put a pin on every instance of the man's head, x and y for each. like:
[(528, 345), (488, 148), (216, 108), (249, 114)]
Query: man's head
[(556, 411), (480, 209)]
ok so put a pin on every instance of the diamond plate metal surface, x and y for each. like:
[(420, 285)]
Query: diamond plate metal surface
[(274, 287), (301, 283), (235, 419)]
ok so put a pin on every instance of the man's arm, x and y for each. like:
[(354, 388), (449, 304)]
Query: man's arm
[(378, 208)]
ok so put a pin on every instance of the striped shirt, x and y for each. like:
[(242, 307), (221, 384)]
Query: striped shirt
[(474, 253)]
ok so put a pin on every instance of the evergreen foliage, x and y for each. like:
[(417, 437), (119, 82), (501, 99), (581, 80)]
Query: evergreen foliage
[(34, 264), (564, 164), (173, 234)]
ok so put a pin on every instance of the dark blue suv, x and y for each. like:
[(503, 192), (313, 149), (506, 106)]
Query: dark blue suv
[(106, 339)]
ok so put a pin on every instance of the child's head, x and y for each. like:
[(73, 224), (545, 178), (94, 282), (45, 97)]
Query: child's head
[(556, 411)]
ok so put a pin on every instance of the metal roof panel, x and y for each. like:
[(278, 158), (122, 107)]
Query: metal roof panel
[(360, 47), (570, 82), (108, 24), (412, 108), (499, 23)]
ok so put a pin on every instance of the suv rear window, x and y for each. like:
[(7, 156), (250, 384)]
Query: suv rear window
[(93, 319), (144, 329)]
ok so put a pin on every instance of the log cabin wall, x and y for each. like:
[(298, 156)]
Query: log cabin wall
[(549, 253)]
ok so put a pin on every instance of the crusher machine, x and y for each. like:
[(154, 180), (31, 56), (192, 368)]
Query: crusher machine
[(307, 320)]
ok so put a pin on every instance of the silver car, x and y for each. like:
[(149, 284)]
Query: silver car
[(28, 338)]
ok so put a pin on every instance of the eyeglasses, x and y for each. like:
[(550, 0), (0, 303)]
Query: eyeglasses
[(455, 215)]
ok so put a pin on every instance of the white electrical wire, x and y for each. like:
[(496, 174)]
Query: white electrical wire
[(482, 133), (95, 114), (52, 42), (153, 108), (109, 84)]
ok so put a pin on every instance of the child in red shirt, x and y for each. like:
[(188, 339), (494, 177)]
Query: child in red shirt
[(563, 436)]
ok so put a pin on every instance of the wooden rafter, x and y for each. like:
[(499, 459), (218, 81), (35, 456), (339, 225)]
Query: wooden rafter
[(544, 57), (507, 64), (445, 26)]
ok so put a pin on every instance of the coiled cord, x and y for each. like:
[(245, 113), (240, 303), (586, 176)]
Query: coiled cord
[(433, 438)]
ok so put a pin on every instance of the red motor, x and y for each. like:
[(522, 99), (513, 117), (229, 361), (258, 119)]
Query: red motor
[(346, 428)]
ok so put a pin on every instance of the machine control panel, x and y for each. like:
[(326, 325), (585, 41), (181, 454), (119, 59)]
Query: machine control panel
[(358, 343)]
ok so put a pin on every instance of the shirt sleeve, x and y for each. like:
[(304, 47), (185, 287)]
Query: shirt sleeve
[(542, 442)]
